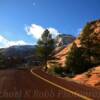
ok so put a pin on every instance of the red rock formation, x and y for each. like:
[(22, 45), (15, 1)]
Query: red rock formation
[(90, 78)]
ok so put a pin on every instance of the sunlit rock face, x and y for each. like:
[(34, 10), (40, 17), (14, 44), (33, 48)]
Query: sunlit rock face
[(91, 77)]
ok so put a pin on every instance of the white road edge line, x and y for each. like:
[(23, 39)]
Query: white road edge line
[(65, 89)]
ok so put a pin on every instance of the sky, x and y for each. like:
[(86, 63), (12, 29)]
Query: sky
[(23, 21)]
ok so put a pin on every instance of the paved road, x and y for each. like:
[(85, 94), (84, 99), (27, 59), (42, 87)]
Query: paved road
[(25, 85)]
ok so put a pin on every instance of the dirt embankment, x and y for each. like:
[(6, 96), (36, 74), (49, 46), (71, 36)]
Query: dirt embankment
[(91, 77)]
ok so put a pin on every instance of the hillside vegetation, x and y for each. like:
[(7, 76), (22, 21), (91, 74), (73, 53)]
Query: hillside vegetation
[(83, 53), (87, 55)]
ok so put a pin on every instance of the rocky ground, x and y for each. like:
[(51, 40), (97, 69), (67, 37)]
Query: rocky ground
[(90, 78)]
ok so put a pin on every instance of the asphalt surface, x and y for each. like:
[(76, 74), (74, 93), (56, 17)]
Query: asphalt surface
[(23, 85)]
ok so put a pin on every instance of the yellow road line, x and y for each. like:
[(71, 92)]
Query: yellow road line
[(65, 89)]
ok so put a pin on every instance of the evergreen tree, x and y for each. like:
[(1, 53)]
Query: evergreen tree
[(45, 46), (75, 61), (2, 61), (91, 44), (82, 58)]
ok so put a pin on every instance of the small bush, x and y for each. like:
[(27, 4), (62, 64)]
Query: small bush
[(58, 70)]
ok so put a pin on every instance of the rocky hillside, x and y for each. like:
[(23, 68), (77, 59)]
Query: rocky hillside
[(90, 78), (87, 47), (62, 41), (63, 52), (89, 36)]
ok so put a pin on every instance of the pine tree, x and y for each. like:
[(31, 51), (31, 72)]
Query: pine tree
[(2, 61), (45, 46), (75, 61)]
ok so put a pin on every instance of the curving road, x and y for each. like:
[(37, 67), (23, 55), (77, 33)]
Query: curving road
[(37, 85)]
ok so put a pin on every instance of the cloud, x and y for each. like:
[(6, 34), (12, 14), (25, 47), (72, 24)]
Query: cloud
[(36, 31), (4, 42), (53, 31)]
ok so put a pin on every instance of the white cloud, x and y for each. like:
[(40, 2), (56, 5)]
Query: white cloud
[(36, 31), (53, 31), (20, 42), (4, 42)]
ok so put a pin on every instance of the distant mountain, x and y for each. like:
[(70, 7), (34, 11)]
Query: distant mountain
[(63, 40), (18, 55), (21, 51), (15, 56), (27, 50)]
